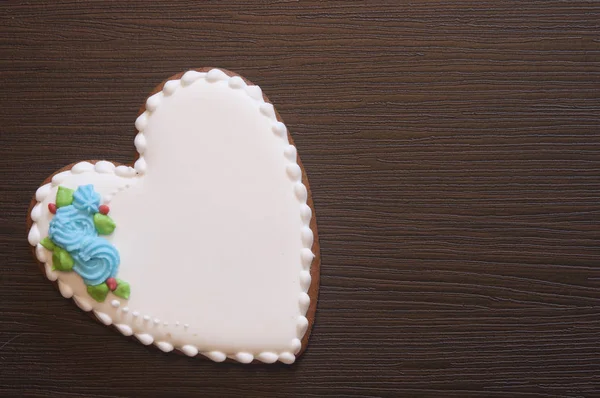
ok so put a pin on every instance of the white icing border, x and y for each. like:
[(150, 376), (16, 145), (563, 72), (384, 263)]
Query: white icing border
[(293, 170)]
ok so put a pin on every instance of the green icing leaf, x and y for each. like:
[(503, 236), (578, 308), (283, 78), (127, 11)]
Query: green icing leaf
[(62, 260), (123, 290), (64, 196), (98, 292), (104, 224), (47, 243)]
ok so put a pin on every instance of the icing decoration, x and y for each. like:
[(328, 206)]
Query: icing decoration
[(111, 283), (122, 290), (98, 292), (104, 224), (86, 199), (62, 260), (70, 228), (96, 261), (222, 272), (47, 243), (73, 239), (64, 196), (52, 208)]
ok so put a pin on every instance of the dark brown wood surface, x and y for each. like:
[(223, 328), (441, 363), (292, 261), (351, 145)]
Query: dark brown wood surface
[(453, 150)]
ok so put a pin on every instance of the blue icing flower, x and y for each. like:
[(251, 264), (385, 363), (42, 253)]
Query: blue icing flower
[(86, 199), (97, 261), (69, 227)]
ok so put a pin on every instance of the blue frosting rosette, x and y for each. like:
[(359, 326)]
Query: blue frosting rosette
[(73, 237), (86, 199), (71, 227), (96, 261)]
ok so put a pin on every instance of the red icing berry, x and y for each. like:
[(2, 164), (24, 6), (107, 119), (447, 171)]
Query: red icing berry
[(104, 209), (111, 283), (52, 208)]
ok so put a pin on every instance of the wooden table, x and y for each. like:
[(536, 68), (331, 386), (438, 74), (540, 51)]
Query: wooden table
[(453, 150)]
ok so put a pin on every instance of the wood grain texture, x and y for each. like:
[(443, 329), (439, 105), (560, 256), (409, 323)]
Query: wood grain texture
[(453, 151)]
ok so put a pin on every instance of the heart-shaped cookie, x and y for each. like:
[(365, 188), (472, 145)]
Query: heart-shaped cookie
[(207, 244)]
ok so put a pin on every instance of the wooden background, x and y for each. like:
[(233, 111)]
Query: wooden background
[(453, 149)]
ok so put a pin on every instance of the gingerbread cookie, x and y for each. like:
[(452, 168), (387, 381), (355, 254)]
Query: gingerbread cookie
[(207, 244)]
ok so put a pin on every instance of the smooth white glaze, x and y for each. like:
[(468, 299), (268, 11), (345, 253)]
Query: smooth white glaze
[(212, 226)]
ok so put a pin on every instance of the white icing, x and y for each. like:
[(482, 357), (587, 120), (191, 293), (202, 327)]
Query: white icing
[(216, 356), (153, 101), (60, 177), (307, 236), (301, 192), (145, 338), (304, 301), (190, 76), (302, 326), (83, 303), (65, 289), (170, 87), (236, 82), (82, 167), (42, 192), (305, 213), (141, 121), (280, 129), (214, 75), (124, 171), (307, 257), (287, 357), (290, 152), (296, 346), (294, 171), (125, 329), (212, 226), (36, 212), (254, 92), (34, 235), (105, 167), (268, 357), (164, 346), (41, 253), (268, 110), (305, 280), (104, 318), (189, 350), (244, 357), (140, 165), (140, 143), (51, 275)]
